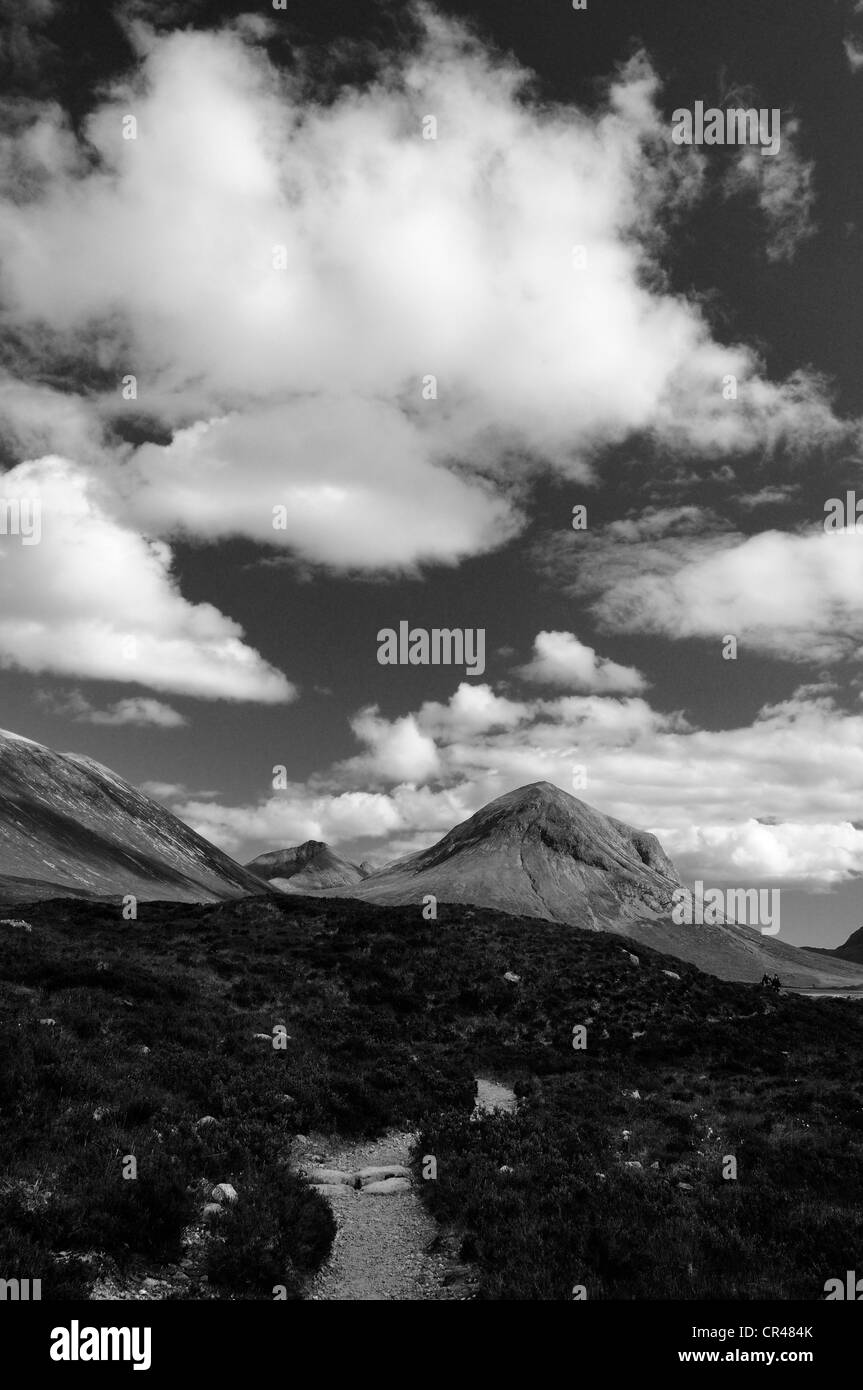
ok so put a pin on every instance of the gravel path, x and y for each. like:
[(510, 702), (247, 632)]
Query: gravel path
[(379, 1250), (386, 1244)]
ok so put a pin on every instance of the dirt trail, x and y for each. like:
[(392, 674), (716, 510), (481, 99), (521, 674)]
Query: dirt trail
[(380, 1249), (386, 1246)]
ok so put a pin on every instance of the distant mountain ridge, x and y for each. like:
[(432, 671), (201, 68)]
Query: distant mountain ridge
[(851, 950), (70, 825), (306, 867), (540, 852)]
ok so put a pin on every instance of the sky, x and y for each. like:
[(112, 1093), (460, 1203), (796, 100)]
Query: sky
[(416, 282)]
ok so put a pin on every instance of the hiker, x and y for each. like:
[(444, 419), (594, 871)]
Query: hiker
[(765, 981), (775, 982)]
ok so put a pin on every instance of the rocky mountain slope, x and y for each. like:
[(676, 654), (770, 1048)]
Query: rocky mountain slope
[(304, 868), (71, 827), (539, 852)]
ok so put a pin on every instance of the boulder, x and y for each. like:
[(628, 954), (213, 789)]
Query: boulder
[(48, 1022), (386, 1170), (205, 1120), (672, 974), (330, 1177), (223, 1192), (389, 1185), (212, 1211), (513, 979)]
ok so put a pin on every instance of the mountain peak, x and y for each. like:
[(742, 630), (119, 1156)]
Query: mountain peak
[(301, 868), (537, 851)]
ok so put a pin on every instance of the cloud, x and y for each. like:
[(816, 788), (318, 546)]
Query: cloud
[(853, 41), (138, 710), (164, 791), (768, 800), (792, 595), (370, 498), (784, 188), (560, 659), (285, 276), (398, 751), (94, 599)]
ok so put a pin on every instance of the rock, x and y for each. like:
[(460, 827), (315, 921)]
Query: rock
[(389, 1185), (633, 1095), (143, 1050), (632, 1163), (387, 1170), (513, 979), (672, 974), (655, 1165), (224, 1192), (638, 1035), (267, 1037), (205, 1120), (213, 1211), (685, 1186), (330, 1177), (633, 960), (48, 1022), (152, 1284)]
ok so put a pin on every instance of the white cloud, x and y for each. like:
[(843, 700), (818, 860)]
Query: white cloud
[(164, 791), (398, 751), (784, 186), (404, 258), (795, 595), (777, 799), (94, 599), (559, 658), (140, 710)]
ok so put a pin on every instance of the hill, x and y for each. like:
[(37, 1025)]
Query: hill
[(69, 822), (539, 852), (306, 867), (611, 1173)]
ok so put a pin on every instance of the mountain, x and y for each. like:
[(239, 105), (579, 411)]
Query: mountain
[(70, 827), (305, 868), (539, 852), (852, 949)]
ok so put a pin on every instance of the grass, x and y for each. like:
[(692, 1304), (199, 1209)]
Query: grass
[(389, 1019)]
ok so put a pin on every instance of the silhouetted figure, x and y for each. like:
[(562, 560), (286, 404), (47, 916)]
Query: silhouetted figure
[(765, 981), (775, 983)]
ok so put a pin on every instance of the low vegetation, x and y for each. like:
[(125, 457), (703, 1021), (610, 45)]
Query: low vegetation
[(609, 1176)]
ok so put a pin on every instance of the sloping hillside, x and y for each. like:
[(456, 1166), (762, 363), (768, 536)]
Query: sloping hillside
[(66, 820)]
